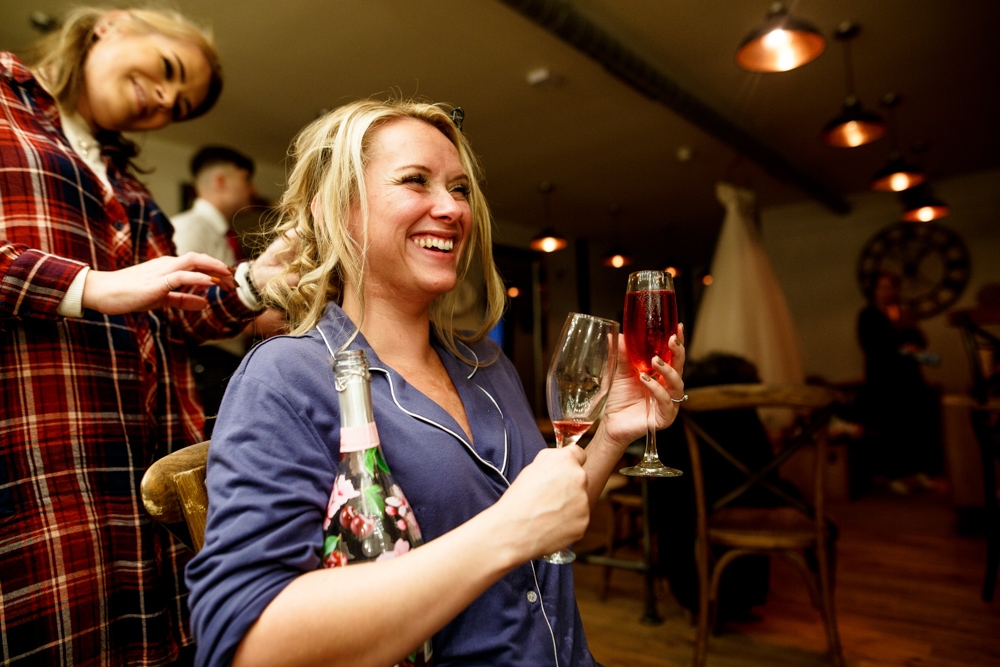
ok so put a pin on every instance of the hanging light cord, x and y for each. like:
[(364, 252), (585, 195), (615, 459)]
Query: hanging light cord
[(849, 68)]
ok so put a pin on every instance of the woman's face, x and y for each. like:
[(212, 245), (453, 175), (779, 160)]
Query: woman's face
[(419, 215), (135, 81)]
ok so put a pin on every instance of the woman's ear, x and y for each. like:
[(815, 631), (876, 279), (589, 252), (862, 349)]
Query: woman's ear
[(316, 207), (109, 21)]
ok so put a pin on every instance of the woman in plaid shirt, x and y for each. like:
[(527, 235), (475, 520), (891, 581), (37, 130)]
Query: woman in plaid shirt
[(95, 312)]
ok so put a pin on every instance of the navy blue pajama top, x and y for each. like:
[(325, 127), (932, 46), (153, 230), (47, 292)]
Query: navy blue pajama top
[(273, 461)]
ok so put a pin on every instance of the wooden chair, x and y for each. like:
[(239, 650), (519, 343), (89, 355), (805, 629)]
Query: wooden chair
[(174, 493), (797, 529), (983, 349)]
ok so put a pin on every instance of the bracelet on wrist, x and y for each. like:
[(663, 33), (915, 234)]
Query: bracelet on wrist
[(254, 292)]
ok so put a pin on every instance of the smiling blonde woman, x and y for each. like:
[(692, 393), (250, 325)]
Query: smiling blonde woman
[(95, 314)]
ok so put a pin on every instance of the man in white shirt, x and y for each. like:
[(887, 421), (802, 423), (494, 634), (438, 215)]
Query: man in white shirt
[(223, 180)]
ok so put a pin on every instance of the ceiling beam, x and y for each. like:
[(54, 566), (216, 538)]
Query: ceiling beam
[(562, 20)]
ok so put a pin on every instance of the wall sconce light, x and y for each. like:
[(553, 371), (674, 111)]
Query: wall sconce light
[(782, 43), (898, 174), (920, 205), (854, 125)]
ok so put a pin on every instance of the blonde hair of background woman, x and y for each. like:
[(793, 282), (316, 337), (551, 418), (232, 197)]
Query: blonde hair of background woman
[(329, 159), (59, 56)]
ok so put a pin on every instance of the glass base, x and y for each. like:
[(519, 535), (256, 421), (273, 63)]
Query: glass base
[(651, 469), (563, 557)]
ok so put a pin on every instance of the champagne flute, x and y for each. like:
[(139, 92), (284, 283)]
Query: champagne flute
[(650, 321), (578, 383)]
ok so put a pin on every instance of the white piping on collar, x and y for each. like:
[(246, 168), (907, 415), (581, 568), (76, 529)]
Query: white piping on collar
[(458, 436), (475, 366), (328, 346), (502, 471)]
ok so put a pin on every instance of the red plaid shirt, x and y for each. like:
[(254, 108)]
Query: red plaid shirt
[(85, 405)]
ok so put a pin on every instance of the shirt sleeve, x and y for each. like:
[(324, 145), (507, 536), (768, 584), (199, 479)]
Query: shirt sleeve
[(33, 283), (263, 530)]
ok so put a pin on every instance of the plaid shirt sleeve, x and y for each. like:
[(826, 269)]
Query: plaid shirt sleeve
[(86, 404), (34, 282)]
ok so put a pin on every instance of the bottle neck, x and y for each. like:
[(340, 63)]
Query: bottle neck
[(356, 402)]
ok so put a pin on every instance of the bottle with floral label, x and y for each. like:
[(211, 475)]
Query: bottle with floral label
[(368, 517)]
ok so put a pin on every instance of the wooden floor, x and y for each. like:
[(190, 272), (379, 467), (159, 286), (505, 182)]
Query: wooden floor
[(908, 593)]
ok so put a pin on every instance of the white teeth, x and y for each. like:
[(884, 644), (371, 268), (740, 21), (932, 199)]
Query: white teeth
[(433, 242)]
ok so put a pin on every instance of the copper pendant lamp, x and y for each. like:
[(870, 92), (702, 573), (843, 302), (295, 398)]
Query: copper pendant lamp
[(782, 43), (854, 125), (548, 240), (898, 174), (920, 205), (617, 258)]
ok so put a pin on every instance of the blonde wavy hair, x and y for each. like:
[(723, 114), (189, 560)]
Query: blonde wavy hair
[(59, 56), (329, 160)]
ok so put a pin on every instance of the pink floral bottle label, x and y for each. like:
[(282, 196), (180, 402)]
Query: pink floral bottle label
[(358, 438)]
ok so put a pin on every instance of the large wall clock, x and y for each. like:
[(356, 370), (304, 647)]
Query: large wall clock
[(931, 261)]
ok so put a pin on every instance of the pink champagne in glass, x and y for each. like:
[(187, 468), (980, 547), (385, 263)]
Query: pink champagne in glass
[(650, 321)]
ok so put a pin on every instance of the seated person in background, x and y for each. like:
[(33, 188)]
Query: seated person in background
[(897, 408), (386, 200), (223, 182)]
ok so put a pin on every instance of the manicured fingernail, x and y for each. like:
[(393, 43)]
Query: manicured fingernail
[(215, 280), (659, 361), (644, 377)]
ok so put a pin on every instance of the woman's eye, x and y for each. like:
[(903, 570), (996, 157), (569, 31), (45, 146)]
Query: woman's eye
[(415, 178), (462, 189), (168, 68)]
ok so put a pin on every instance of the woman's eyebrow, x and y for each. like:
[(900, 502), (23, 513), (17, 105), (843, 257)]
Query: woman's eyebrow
[(180, 66)]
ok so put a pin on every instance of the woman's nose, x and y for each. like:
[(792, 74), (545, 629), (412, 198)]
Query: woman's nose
[(166, 96), (446, 206)]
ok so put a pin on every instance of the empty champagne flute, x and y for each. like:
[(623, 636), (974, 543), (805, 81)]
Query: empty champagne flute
[(650, 321), (578, 383)]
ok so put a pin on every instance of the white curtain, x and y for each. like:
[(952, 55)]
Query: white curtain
[(743, 311)]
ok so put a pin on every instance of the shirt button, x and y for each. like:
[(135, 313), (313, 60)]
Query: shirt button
[(532, 596), (119, 225)]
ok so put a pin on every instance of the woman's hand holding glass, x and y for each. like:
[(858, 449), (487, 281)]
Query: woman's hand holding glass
[(625, 417)]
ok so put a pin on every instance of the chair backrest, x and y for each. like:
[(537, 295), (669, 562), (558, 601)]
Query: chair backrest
[(174, 493), (981, 346), (813, 406)]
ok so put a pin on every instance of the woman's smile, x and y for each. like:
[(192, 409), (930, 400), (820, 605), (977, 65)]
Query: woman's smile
[(435, 243)]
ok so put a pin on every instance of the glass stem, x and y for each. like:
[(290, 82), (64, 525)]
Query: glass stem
[(650, 454)]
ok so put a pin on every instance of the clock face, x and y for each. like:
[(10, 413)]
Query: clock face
[(931, 261)]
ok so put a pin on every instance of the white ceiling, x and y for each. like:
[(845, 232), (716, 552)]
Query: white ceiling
[(598, 141)]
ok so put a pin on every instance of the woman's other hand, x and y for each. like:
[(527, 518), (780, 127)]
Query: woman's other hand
[(625, 413), (546, 508), (152, 284)]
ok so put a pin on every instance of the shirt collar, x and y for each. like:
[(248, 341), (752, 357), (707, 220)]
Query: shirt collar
[(207, 211)]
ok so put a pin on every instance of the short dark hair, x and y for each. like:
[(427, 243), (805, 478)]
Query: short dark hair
[(209, 156)]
